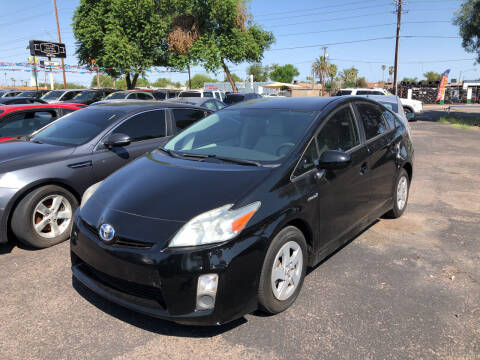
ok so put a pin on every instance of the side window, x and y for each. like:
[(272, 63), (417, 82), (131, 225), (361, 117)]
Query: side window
[(186, 117), (207, 94), (210, 105), (220, 105), (132, 96), (144, 96), (339, 133), (144, 126), (389, 118), (26, 122), (69, 95), (308, 161), (372, 120)]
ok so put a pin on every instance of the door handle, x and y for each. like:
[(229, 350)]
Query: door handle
[(363, 169)]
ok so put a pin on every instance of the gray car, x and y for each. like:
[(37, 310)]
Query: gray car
[(394, 104), (43, 177), (205, 102)]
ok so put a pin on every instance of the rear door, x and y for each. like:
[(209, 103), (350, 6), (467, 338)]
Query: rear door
[(147, 131), (381, 146)]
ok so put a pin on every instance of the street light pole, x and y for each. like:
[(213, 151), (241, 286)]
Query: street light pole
[(60, 40)]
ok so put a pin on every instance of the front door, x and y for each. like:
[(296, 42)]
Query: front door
[(343, 193), (147, 130)]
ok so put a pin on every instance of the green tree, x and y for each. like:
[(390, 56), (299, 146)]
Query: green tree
[(332, 70), (468, 21), (432, 76), (199, 80), (121, 36), (235, 78), (391, 70), (259, 72), (407, 79), (285, 73), (384, 67), (349, 77), (163, 82), (214, 32), (361, 82), (105, 81)]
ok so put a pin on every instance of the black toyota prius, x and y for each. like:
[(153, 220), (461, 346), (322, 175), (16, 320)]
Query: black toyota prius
[(226, 218)]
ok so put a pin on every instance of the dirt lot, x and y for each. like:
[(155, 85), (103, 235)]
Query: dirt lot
[(404, 289)]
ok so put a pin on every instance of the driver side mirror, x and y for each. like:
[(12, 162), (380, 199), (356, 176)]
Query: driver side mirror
[(334, 159), (410, 116), (118, 139)]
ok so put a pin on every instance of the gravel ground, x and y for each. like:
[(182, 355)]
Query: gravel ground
[(403, 289)]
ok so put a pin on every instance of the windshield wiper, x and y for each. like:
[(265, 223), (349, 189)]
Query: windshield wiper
[(169, 152), (233, 160)]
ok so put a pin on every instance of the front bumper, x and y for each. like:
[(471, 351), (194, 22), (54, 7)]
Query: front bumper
[(163, 282)]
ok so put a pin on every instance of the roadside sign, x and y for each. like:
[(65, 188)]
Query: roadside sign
[(47, 49)]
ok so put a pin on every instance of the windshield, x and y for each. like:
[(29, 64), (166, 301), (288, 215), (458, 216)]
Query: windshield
[(190, 94), (263, 135), (84, 95), (391, 106), (117, 95), (77, 128), (53, 95)]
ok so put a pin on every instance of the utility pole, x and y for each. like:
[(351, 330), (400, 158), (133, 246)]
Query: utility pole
[(399, 21), (60, 40)]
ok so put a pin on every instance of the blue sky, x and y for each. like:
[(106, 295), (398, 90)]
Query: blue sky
[(300, 28)]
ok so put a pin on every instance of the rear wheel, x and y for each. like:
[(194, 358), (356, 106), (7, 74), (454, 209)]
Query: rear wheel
[(44, 217), (400, 195), (283, 271)]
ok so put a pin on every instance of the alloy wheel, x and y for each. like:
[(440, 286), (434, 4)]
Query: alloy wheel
[(52, 216), (287, 270), (402, 192)]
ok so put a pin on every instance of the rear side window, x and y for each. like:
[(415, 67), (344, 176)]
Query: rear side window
[(160, 95), (339, 133), (372, 118), (25, 123), (344, 92), (207, 94), (144, 96), (69, 95), (186, 117), (144, 126), (190, 94), (389, 118)]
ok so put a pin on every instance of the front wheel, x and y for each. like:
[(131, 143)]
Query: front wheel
[(44, 217), (400, 195), (283, 271)]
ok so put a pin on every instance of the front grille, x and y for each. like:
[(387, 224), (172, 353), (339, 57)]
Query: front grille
[(137, 290), (120, 241)]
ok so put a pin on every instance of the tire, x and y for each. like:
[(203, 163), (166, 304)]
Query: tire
[(45, 207), (398, 209), (276, 302)]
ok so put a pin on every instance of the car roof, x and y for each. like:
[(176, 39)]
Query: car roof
[(14, 107), (135, 105), (383, 98), (312, 103), (196, 100)]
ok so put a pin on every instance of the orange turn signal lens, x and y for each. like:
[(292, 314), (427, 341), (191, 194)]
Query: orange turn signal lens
[(241, 222)]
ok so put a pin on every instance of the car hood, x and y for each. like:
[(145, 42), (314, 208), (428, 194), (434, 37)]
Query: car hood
[(160, 187), (19, 153)]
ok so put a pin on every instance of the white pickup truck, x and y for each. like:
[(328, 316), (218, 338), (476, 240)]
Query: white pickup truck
[(409, 105)]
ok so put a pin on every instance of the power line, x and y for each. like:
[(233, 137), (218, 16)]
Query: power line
[(363, 40), (327, 12), (310, 9), (361, 27)]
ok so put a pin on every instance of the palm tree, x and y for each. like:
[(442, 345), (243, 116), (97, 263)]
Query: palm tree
[(319, 69), (383, 73), (390, 71)]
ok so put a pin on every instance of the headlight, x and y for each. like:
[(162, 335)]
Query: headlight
[(214, 226), (89, 192)]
